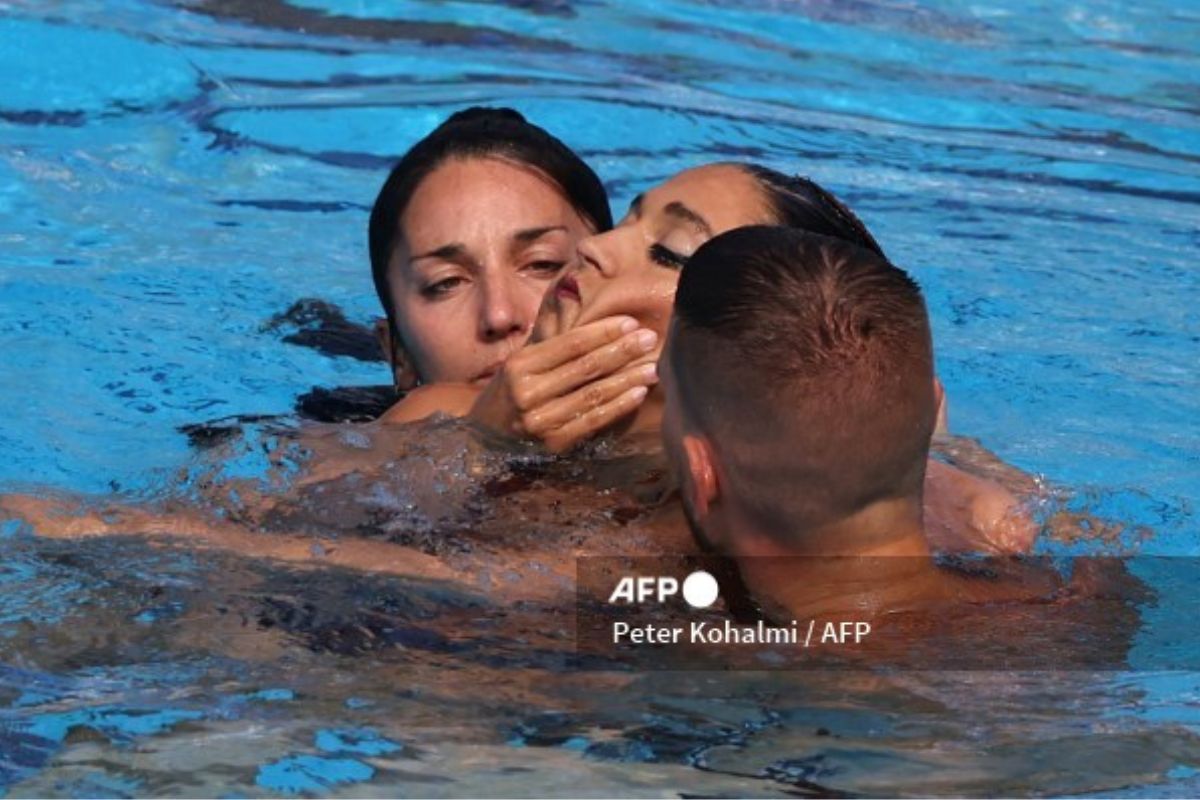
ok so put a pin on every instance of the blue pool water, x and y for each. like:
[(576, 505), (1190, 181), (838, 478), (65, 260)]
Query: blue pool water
[(172, 174)]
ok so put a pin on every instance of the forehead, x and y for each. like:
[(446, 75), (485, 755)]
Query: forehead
[(463, 193), (726, 196)]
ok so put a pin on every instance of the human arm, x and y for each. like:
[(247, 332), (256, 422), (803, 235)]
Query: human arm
[(964, 512), (454, 399)]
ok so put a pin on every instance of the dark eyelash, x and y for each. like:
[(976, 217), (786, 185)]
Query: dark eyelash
[(440, 288), (667, 258)]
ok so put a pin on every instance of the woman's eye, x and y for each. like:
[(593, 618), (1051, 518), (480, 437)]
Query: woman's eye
[(668, 258), (441, 288), (545, 267)]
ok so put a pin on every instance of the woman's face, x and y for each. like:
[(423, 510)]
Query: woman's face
[(480, 242), (634, 268)]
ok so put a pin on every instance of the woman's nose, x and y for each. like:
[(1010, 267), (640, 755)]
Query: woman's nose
[(502, 313), (597, 253)]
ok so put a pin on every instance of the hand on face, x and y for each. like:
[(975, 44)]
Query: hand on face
[(585, 369), (565, 390)]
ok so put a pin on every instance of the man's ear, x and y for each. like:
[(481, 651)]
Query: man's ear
[(404, 375), (940, 428), (699, 476)]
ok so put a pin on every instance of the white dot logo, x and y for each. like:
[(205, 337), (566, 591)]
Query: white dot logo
[(700, 589)]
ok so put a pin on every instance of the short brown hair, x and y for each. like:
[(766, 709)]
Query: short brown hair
[(808, 363)]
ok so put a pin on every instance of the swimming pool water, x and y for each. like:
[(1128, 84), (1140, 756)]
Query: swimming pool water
[(172, 174)]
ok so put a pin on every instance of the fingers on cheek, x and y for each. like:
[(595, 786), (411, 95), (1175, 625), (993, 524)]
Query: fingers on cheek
[(519, 397), (576, 348), (647, 375), (559, 444), (598, 419), (635, 396), (642, 342)]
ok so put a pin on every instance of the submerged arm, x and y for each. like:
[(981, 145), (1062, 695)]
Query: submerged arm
[(66, 517)]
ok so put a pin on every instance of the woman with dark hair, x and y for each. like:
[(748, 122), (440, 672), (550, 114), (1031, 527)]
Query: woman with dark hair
[(471, 227)]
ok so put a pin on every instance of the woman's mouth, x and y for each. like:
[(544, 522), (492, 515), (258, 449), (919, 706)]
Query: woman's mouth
[(487, 374), (567, 287)]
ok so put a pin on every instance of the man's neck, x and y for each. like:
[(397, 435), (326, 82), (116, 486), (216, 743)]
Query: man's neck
[(891, 527), (874, 560)]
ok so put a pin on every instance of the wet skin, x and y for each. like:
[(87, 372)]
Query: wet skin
[(479, 243), (634, 269)]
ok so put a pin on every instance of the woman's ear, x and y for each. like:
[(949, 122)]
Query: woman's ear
[(404, 375)]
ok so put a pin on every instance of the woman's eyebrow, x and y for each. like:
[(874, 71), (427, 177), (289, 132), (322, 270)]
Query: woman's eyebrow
[(680, 211), (455, 252), (533, 234)]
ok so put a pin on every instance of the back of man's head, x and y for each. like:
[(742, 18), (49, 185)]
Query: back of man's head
[(807, 364)]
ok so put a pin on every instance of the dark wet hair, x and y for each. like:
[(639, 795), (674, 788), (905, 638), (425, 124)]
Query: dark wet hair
[(478, 132), (801, 203), (838, 341)]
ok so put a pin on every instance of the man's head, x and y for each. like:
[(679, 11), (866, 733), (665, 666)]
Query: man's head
[(799, 386)]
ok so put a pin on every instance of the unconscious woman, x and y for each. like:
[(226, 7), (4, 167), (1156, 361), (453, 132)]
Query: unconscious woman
[(600, 330)]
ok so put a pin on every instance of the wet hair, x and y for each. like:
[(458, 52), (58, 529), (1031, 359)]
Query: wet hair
[(798, 202), (835, 342), (478, 132)]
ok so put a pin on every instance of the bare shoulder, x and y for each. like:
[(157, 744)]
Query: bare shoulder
[(454, 399), (975, 513)]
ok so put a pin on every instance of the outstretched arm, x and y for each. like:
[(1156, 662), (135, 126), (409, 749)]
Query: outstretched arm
[(66, 517)]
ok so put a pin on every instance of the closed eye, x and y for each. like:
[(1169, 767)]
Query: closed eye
[(668, 258)]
